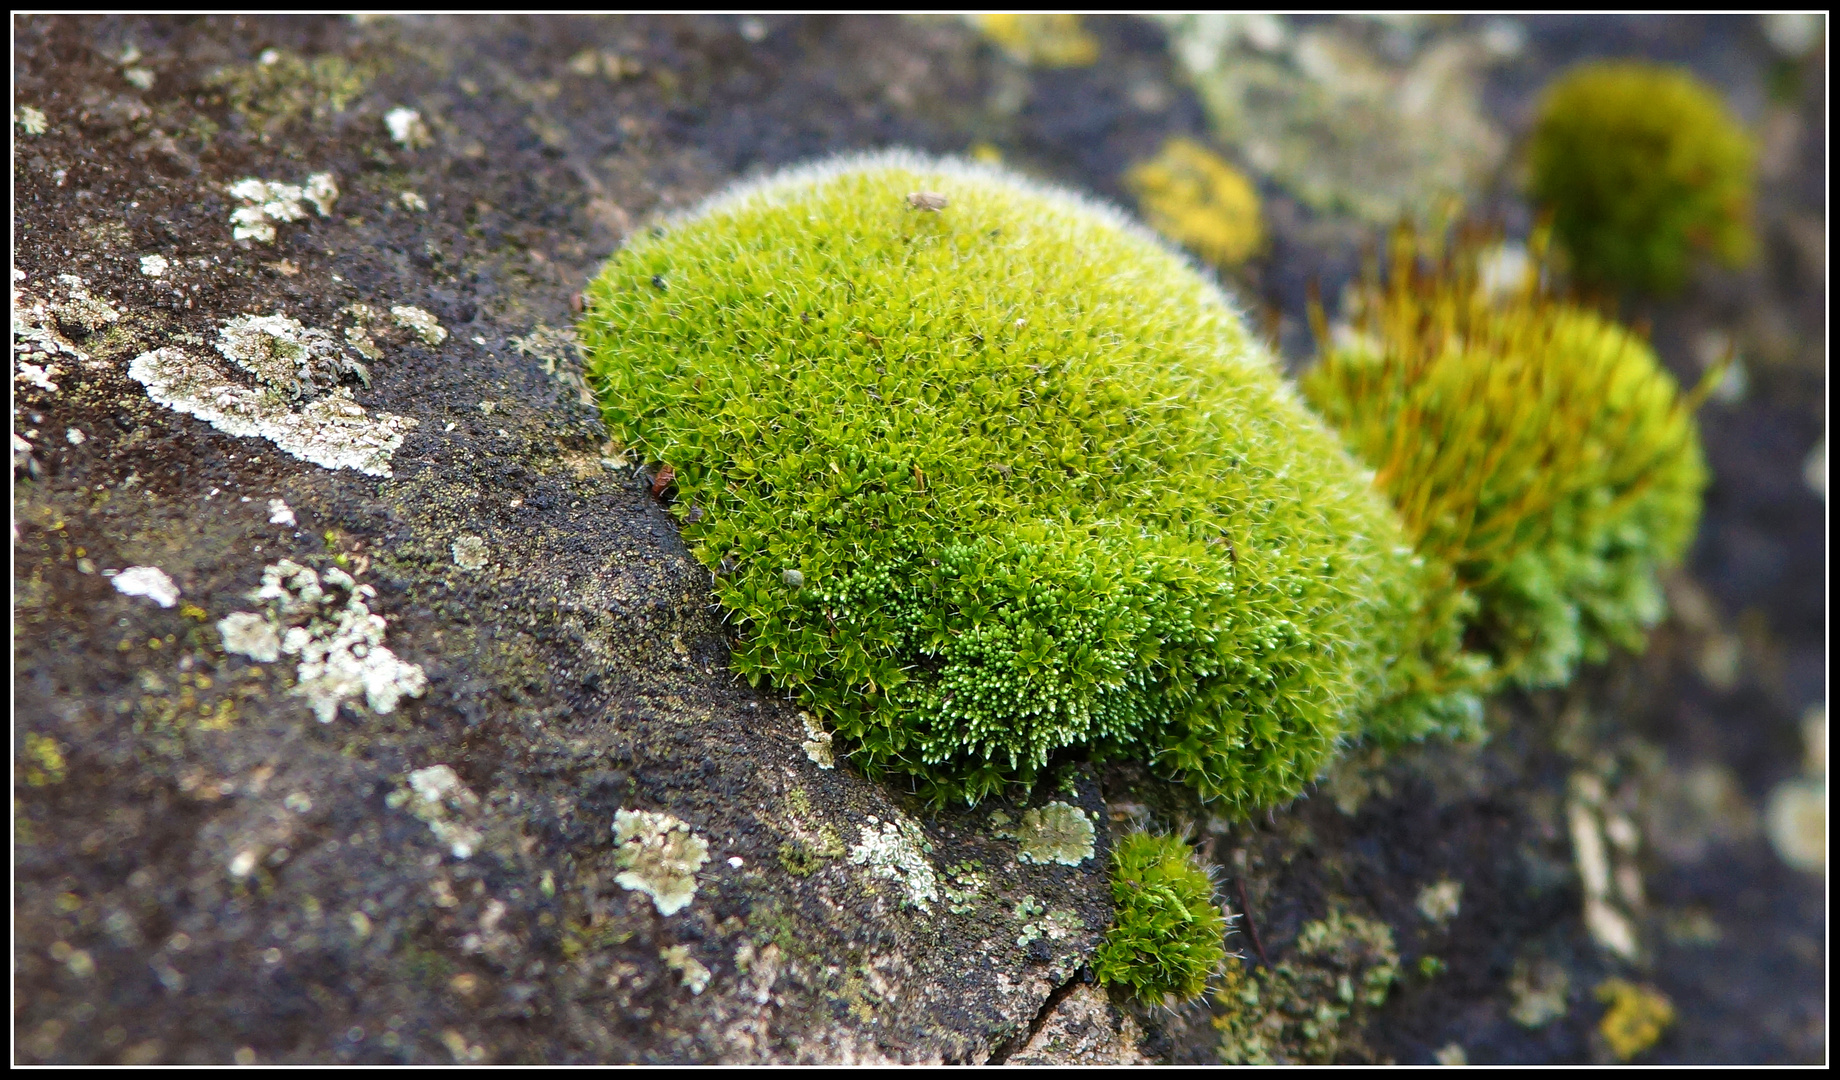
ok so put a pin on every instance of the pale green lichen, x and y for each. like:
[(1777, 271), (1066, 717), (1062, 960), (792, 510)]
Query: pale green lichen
[(470, 553), (894, 850), (305, 361), (420, 323), (437, 796), (407, 128), (30, 121), (1440, 901), (333, 431), (659, 856), (817, 744), (1304, 1009), (689, 968), (1335, 119), (268, 203), (1055, 833), (334, 633)]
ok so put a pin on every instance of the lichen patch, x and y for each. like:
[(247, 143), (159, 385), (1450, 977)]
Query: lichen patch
[(437, 796), (419, 323), (334, 431), (287, 355), (817, 744), (148, 581), (326, 622), (1055, 833), (896, 851), (659, 856), (268, 203)]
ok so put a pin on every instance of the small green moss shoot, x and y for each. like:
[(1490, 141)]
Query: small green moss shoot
[(1168, 935), (988, 474), (1544, 462), (1644, 168)]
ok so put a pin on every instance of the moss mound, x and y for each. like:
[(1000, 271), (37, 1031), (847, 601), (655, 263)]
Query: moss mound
[(1541, 458), (1643, 168), (1167, 937), (987, 482)]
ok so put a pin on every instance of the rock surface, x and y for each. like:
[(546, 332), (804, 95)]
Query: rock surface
[(508, 645)]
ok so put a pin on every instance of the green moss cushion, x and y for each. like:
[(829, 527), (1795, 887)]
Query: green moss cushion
[(1643, 168), (992, 482)]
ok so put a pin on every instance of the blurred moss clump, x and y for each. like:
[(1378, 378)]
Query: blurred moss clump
[(1636, 1019), (1189, 194), (1041, 39), (1544, 463), (1167, 937), (1644, 169)]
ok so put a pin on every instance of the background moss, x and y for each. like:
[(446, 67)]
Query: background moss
[(1644, 169)]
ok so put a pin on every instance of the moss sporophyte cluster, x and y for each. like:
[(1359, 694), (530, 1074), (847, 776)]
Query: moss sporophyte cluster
[(989, 476)]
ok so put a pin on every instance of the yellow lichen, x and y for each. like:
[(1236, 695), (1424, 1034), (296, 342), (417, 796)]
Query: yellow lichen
[(1636, 1018), (1198, 200), (1042, 39)]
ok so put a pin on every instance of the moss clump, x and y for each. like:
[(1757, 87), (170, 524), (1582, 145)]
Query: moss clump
[(1542, 459), (1189, 194), (1167, 937), (990, 482), (1643, 168)]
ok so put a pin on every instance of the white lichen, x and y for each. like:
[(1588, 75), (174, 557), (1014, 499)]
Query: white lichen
[(327, 624), (469, 553), (413, 202), (438, 797), (658, 856), (268, 203), (30, 121), (678, 959), (895, 851), (75, 436), (1440, 901), (1055, 833), (283, 353), (139, 77), (148, 581), (153, 265), (419, 323), (817, 744), (39, 325), (248, 634), (407, 128), (333, 431), (280, 513)]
